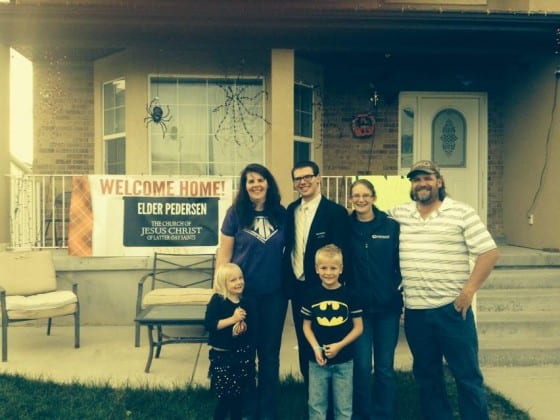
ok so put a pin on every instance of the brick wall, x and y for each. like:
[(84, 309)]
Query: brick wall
[(343, 153), (495, 165), (346, 155), (63, 115)]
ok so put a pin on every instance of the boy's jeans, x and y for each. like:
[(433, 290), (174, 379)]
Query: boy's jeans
[(341, 376)]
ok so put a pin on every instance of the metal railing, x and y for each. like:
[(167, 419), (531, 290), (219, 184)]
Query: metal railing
[(39, 211), (40, 207)]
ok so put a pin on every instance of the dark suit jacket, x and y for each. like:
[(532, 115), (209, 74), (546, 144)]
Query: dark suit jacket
[(331, 225)]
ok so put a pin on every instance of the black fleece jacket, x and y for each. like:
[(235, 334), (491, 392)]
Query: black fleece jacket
[(375, 263)]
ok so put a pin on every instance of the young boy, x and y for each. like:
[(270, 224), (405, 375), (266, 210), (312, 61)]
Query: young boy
[(332, 321)]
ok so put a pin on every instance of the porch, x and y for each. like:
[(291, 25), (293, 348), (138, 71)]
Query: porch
[(108, 285)]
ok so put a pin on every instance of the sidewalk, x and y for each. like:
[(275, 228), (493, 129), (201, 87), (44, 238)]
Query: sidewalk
[(108, 356), (535, 389)]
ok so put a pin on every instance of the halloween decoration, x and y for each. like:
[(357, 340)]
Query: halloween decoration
[(363, 125), (156, 115), (238, 113)]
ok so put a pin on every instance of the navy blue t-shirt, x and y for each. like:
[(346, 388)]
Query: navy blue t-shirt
[(258, 251)]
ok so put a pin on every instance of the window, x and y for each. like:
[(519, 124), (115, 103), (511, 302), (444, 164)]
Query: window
[(212, 126), (449, 134), (303, 122), (115, 156), (114, 130), (407, 137)]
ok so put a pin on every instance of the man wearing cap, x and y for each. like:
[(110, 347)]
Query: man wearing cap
[(446, 254)]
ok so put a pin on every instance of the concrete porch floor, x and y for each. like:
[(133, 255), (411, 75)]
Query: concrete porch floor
[(107, 356)]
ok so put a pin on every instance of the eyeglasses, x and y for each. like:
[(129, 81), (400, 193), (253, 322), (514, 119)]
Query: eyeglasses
[(361, 196), (305, 178)]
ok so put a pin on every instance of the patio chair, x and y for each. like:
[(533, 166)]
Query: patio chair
[(28, 291), (175, 279)]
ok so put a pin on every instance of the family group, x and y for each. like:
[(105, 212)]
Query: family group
[(348, 277)]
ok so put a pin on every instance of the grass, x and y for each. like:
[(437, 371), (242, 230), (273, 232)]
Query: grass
[(23, 399)]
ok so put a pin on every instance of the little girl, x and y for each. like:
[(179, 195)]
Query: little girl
[(232, 363)]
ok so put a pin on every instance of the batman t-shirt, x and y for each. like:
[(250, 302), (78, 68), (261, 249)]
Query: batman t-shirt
[(331, 313)]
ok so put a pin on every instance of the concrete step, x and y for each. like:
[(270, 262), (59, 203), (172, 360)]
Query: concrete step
[(512, 256), (518, 300), (514, 352), (518, 315), (524, 325), (523, 278)]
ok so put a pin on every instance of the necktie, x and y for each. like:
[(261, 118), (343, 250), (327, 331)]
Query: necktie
[(301, 239)]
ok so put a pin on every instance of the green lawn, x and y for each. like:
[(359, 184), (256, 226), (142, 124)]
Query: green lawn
[(21, 399)]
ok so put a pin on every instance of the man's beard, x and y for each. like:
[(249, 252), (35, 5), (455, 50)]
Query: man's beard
[(425, 199)]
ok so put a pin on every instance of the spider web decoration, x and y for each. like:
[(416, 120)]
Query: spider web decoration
[(238, 114), (317, 107)]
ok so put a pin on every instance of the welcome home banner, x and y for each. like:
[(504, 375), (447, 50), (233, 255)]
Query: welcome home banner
[(138, 215)]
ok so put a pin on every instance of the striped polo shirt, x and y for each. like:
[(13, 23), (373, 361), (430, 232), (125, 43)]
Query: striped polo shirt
[(437, 254)]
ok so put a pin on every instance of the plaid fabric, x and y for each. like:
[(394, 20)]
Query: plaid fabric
[(80, 227)]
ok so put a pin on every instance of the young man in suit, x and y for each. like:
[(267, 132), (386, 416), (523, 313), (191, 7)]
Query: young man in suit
[(313, 221)]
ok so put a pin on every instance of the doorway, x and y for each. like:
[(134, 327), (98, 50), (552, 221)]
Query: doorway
[(451, 129)]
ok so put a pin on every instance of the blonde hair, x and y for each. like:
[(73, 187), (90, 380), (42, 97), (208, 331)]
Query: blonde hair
[(223, 274), (329, 252)]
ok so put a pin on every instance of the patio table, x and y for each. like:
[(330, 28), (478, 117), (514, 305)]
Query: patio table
[(166, 315)]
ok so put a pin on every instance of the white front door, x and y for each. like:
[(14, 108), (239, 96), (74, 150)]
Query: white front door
[(451, 129)]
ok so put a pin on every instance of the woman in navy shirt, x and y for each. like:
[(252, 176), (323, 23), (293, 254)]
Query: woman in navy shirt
[(252, 236)]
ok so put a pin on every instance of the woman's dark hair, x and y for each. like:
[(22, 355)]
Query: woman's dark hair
[(244, 206)]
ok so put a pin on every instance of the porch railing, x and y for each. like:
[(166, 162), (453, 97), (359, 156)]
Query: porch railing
[(40, 207), (39, 210)]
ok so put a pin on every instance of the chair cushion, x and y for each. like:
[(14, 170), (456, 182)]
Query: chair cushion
[(51, 300), (43, 313), (178, 296), (35, 272)]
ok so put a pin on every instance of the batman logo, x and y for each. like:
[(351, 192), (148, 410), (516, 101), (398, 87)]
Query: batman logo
[(330, 313)]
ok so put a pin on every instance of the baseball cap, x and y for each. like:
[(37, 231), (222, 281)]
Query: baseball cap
[(424, 166)]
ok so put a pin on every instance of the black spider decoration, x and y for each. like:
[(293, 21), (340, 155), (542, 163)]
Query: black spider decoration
[(235, 108), (157, 115)]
